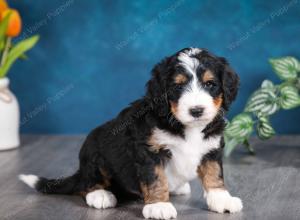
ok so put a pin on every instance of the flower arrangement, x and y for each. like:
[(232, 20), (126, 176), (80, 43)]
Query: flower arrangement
[(10, 51), (263, 103), (10, 27)]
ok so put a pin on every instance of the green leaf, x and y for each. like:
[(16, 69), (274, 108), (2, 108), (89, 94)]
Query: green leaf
[(264, 128), (264, 101), (3, 28), (2, 44), (270, 108), (286, 67), (289, 97), (248, 146), (16, 52), (23, 57), (240, 127), (230, 145), (267, 84)]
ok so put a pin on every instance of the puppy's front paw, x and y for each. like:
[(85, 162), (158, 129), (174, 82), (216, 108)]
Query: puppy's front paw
[(101, 199), (220, 201), (160, 210)]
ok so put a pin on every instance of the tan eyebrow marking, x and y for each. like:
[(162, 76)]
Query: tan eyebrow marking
[(207, 76), (180, 78)]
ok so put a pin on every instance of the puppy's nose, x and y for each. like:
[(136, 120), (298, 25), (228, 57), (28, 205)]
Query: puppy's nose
[(197, 111)]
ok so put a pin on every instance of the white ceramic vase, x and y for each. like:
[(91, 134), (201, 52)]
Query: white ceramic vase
[(9, 117)]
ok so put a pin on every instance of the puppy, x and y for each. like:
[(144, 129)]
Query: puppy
[(154, 147)]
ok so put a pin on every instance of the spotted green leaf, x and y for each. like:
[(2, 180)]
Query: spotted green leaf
[(286, 67), (289, 97), (264, 129), (263, 101), (267, 84), (230, 144), (240, 127)]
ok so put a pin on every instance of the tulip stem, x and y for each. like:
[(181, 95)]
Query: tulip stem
[(5, 51)]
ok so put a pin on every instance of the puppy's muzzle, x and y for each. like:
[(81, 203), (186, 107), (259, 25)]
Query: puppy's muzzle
[(196, 111)]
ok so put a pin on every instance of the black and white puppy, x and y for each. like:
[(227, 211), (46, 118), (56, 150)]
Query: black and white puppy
[(160, 142)]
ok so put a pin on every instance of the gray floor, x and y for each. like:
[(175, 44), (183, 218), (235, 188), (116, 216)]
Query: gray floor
[(269, 184)]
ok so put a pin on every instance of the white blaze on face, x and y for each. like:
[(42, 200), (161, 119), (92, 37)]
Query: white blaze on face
[(194, 95)]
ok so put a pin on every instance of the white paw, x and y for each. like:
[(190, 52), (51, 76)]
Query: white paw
[(101, 199), (160, 210), (219, 200), (183, 190)]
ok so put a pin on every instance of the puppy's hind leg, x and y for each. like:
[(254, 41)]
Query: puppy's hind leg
[(99, 196), (101, 199)]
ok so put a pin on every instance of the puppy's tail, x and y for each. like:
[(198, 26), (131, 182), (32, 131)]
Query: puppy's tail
[(68, 185)]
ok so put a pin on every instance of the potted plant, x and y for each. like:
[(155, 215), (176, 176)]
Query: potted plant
[(263, 103), (10, 27)]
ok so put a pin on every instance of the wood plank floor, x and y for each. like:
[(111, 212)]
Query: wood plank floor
[(269, 184)]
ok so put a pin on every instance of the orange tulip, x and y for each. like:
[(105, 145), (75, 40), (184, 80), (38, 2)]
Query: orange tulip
[(14, 23), (3, 6)]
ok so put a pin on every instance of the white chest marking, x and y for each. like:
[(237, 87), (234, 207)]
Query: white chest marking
[(186, 153)]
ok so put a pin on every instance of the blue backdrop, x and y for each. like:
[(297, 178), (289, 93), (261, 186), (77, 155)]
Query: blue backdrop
[(94, 57)]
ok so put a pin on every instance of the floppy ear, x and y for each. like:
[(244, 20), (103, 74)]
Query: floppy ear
[(157, 89), (230, 84)]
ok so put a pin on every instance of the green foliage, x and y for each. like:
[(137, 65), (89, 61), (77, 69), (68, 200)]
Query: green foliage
[(240, 126), (16, 52), (264, 128), (289, 97), (10, 53), (3, 28), (264, 102), (238, 130), (286, 67)]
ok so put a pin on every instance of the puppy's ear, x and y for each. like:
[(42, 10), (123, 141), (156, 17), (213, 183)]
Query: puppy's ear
[(230, 84), (157, 87)]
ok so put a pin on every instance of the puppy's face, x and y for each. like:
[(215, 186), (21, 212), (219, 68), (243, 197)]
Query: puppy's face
[(197, 85)]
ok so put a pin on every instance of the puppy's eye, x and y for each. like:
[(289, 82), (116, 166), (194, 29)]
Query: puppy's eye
[(209, 84)]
